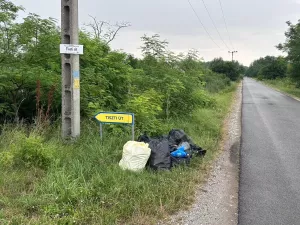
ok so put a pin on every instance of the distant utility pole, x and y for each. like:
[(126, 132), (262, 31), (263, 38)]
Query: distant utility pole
[(232, 52), (70, 70)]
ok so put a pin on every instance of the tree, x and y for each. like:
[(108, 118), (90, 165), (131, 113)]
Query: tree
[(269, 67), (106, 31), (36, 38), (105, 76), (292, 47), (8, 36), (27, 56), (154, 47), (232, 70), (158, 86), (275, 67)]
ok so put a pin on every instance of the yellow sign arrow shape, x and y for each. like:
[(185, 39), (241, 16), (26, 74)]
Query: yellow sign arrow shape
[(124, 118)]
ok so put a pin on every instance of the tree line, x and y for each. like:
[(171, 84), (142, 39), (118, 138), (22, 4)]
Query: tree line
[(271, 67), (160, 85)]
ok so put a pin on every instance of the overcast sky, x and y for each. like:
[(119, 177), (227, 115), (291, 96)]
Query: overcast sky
[(255, 26)]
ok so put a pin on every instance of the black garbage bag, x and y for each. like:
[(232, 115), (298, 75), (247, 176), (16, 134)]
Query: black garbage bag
[(197, 151), (177, 136), (161, 148), (144, 138), (160, 158)]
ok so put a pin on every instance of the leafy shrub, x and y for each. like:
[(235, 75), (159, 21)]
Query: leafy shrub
[(232, 70), (34, 153), (146, 108), (28, 152), (215, 82), (203, 99), (185, 102)]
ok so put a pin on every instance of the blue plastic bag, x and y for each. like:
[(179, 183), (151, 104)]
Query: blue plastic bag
[(179, 153)]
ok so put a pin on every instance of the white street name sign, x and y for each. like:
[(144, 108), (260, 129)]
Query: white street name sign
[(71, 49)]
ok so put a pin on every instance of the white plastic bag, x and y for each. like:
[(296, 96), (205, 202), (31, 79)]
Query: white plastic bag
[(135, 156)]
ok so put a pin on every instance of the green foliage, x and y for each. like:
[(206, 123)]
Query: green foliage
[(110, 80), (203, 99), (105, 81), (214, 82), (274, 68), (26, 55), (179, 78), (27, 152), (36, 38), (6, 159), (18, 91), (147, 108), (8, 36), (269, 67), (233, 70), (34, 153), (154, 47), (291, 47)]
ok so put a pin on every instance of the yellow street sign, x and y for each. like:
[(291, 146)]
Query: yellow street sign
[(125, 118)]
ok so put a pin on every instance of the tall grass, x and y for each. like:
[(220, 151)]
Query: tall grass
[(84, 184), (285, 85)]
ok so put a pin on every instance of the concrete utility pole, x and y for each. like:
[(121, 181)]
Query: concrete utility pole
[(70, 71), (232, 52)]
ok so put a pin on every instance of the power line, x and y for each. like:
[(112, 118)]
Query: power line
[(213, 22), (226, 24), (203, 24)]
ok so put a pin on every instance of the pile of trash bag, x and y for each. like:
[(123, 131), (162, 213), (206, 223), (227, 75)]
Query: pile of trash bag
[(166, 152)]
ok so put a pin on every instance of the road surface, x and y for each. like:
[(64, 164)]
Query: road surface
[(270, 157)]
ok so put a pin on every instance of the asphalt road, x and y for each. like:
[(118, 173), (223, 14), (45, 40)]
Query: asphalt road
[(270, 157)]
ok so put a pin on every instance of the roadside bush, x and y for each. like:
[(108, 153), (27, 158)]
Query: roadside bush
[(214, 82), (203, 99), (147, 107), (184, 103), (232, 70), (34, 153), (27, 152)]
